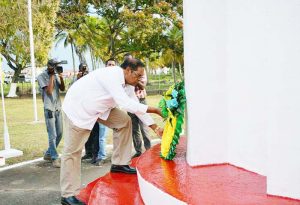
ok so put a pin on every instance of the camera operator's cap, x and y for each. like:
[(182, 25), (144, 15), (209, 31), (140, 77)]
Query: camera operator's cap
[(52, 62)]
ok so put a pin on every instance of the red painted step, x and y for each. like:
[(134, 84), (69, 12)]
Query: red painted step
[(221, 184), (113, 189)]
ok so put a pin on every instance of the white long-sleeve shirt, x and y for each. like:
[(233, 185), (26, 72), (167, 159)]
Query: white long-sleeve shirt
[(94, 95)]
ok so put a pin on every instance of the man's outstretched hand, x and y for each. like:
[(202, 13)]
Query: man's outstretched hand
[(158, 111), (159, 131)]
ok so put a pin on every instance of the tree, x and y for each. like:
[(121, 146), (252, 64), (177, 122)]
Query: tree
[(173, 55), (135, 26), (68, 39), (122, 26), (14, 32), (70, 16), (111, 28)]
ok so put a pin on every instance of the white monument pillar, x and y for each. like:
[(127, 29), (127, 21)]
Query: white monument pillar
[(205, 81), (283, 173), (243, 76)]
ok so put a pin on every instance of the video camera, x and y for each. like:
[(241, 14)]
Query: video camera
[(57, 65)]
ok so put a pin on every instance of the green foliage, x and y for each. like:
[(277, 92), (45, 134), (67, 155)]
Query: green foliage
[(112, 28), (70, 23), (175, 93), (14, 31), (163, 106), (150, 29)]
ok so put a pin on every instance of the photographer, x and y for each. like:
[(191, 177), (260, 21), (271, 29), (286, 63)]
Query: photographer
[(82, 70), (50, 82)]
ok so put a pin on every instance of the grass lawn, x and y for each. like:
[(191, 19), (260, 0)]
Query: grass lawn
[(31, 137)]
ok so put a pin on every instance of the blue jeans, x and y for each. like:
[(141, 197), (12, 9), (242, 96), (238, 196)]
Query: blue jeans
[(102, 141), (54, 126)]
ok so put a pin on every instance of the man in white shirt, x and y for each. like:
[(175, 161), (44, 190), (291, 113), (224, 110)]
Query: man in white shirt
[(95, 97)]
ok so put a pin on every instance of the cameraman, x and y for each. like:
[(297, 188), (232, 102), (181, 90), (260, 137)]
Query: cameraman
[(50, 82)]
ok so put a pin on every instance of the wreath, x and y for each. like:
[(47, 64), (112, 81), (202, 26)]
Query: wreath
[(172, 107)]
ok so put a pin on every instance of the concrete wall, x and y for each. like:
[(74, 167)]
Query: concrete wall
[(243, 87)]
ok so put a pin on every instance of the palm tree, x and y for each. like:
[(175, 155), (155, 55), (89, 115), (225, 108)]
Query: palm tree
[(67, 37), (173, 55)]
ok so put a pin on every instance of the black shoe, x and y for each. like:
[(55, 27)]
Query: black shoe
[(87, 156), (71, 201), (47, 157), (136, 155), (94, 160), (123, 168), (99, 162)]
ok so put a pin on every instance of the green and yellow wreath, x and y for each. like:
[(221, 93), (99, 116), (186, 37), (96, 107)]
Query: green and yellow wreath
[(172, 105)]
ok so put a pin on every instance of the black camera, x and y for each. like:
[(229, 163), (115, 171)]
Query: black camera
[(56, 65), (59, 69)]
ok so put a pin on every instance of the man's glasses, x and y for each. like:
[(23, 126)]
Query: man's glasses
[(136, 75)]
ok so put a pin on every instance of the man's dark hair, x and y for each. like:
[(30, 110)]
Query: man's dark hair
[(111, 59), (132, 63)]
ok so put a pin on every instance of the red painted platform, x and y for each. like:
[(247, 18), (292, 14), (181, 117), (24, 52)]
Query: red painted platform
[(113, 189), (222, 184)]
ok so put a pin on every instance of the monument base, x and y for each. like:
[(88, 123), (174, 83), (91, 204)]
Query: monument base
[(175, 182), (8, 153)]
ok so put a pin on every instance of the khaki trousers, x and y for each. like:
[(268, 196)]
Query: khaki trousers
[(74, 140)]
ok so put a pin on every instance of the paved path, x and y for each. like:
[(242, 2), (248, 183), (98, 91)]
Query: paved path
[(38, 183)]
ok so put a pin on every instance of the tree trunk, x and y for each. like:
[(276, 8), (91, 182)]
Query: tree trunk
[(112, 48), (12, 90), (13, 85), (73, 59), (93, 59), (147, 71), (80, 55), (180, 71), (174, 71), (16, 74)]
